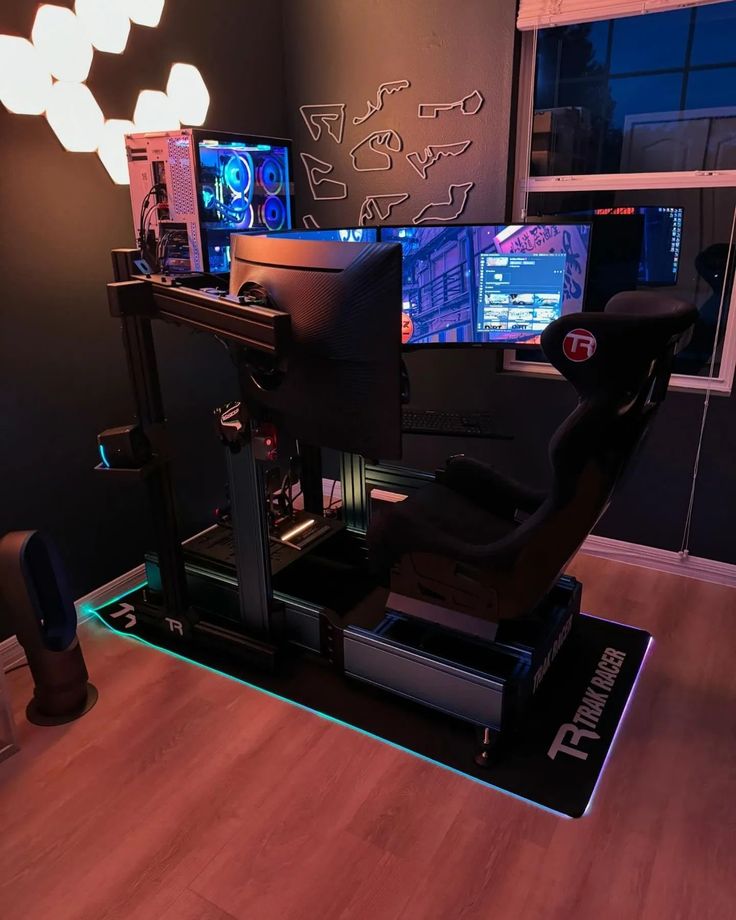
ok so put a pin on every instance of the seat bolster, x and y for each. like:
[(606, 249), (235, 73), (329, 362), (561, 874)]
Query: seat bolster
[(489, 489)]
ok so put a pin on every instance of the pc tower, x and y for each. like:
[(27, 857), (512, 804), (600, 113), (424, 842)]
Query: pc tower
[(191, 188)]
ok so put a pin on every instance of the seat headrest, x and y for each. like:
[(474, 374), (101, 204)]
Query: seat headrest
[(613, 353)]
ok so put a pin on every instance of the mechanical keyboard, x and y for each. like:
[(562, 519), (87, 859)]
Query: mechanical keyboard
[(449, 424)]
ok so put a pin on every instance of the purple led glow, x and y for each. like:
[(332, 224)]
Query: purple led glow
[(621, 719)]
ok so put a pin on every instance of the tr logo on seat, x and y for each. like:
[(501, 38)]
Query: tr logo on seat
[(579, 345)]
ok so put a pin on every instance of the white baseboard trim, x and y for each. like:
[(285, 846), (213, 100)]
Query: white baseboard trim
[(11, 654), (103, 595), (648, 557), (661, 560), (11, 651)]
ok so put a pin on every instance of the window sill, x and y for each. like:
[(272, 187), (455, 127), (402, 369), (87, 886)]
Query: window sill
[(680, 383), (725, 178)]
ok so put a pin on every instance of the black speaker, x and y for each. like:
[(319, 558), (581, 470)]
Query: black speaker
[(35, 599)]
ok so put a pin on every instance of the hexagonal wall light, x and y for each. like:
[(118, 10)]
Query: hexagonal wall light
[(188, 94), (144, 12), (112, 149), (75, 117), (62, 46), (105, 23), (25, 82), (154, 111), (60, 39)]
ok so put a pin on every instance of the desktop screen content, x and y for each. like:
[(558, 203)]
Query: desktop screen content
[(494, 284)]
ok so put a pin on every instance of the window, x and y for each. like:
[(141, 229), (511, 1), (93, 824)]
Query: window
[(636, 117)]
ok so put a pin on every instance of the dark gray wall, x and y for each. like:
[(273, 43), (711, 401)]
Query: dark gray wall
[(341, 51), (62, 373)]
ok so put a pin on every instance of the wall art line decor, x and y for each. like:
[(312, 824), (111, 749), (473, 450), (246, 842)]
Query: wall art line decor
[(433, 153), (330, 118), (445, 211), (378, 208), (468, 105), (384, 90), (373, 153), (322, 187)]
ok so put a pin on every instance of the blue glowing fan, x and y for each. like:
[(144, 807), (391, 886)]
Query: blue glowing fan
[(271, 176), (273, 213), (238, 174)]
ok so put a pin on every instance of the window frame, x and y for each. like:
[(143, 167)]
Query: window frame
[(524, 184)]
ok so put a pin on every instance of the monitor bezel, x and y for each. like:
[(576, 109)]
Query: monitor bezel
[(591, 213), (494, 346), (375, 227)]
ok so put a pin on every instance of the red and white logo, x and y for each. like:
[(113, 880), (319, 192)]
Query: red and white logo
[(579, 345)]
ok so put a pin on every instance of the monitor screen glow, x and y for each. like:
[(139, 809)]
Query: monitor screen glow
[(495, 284)]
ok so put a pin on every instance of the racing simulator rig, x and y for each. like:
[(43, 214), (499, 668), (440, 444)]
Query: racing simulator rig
[(453, 599)]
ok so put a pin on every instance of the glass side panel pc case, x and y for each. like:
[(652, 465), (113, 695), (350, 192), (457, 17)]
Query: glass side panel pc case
[(191, 188), (498, 285)]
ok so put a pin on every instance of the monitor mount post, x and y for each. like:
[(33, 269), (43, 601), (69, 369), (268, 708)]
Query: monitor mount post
[(245, 449), (354, 494), (310, 475)]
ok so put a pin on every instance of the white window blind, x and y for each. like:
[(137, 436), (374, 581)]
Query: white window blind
[(542, 14)]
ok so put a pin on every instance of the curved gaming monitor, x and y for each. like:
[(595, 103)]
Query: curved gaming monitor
[(342, 381), (497, 285)]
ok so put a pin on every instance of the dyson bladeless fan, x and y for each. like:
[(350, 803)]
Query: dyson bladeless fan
[(35, 599)]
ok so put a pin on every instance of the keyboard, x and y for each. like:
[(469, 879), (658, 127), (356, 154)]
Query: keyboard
[(449, 424)]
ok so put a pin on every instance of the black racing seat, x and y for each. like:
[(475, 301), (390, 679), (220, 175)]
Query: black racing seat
[(477, 542)]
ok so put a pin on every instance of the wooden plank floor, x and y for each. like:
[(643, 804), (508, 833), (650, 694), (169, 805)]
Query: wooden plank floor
[(186, 796)]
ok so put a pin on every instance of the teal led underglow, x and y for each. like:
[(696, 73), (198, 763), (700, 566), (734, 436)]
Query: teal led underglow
[(328, 718), (103, 456), (87, 610), (316, 712), (362, 731)]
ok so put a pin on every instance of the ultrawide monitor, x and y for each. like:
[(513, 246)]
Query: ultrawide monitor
[(498, 284)]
